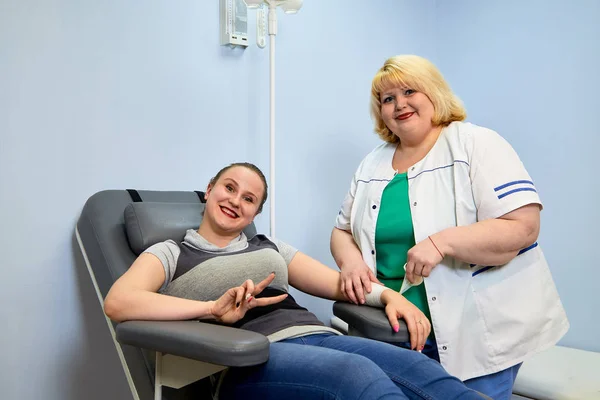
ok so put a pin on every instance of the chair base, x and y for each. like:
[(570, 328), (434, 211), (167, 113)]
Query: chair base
[(177, 372)]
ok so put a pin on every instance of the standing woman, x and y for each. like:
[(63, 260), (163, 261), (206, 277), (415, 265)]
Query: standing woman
[(451, 202)]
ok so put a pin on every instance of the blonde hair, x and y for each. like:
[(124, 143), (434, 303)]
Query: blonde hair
[(419, 74)]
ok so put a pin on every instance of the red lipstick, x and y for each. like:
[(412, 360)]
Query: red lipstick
[(405, 116)]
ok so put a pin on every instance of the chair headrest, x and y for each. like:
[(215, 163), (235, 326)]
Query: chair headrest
[(148, 223)]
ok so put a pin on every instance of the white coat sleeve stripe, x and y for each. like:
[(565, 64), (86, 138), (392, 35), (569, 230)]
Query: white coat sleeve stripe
[(517, 190), (445, 166), (513, 183)]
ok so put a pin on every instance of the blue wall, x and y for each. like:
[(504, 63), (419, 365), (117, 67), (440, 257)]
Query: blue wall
[(113, 94)]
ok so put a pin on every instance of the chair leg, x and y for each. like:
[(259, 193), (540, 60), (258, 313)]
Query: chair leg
[(158, 377)]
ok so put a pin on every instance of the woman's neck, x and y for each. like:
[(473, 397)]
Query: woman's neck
[(218, 239), (408, 153)]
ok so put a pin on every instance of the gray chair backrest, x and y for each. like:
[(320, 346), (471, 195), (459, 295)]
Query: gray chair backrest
[(106, 246)]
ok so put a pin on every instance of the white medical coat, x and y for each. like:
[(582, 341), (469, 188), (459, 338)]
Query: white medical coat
[(485, 318)]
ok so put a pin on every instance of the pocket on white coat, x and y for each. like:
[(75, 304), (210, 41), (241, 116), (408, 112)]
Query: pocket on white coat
[(517, 308)]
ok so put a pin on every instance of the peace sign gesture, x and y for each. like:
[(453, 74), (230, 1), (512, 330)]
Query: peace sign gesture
[(233, 305)]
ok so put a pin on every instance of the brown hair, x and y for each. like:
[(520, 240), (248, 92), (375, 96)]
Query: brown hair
[(251, 167), (419, 74)]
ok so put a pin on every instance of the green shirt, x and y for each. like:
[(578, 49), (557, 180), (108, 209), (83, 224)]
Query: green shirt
[(394, 236)]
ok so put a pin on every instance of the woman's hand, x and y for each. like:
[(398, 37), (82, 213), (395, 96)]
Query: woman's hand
[(421, 259), (233, 305), (418, 325), (355, 278)]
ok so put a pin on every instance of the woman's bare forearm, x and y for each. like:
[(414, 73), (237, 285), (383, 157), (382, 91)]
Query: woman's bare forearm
[(312, 277), (343, 248), (145, 305), (491, 242)]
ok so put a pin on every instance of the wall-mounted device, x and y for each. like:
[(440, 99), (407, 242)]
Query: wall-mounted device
[(261, 26), (233, 22)]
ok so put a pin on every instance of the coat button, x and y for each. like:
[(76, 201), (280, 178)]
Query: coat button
[(433, 298), (444, 348), (372, 251), (415, 204), (412, 169), (374, 206)]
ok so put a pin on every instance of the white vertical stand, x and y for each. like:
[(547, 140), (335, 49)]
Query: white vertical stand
[(290, 7), (272, 33)]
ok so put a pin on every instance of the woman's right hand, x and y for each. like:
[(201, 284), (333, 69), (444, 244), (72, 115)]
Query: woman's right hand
[(355, 278), (397, 306), (233, 305)]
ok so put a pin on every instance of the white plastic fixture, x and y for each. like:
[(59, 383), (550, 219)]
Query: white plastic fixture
[(289, 7), (233, 24), (253, 3), (261, 27)]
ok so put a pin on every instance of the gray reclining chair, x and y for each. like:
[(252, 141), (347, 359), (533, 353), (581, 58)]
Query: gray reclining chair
[(114, 227)]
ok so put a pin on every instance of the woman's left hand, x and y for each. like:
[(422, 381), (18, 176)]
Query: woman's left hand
[(397, 306), (421, 259)]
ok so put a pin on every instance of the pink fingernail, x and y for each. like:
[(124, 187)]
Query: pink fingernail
[(396, 328), (250, 299)]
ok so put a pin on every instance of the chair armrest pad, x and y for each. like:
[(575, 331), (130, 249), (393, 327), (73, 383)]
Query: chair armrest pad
[(370, 322), (200, 341)]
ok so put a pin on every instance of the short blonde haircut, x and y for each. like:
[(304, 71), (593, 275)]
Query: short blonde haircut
[(419, 74)]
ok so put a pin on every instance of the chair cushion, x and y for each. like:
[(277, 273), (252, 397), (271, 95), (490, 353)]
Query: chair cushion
[(148, 223)]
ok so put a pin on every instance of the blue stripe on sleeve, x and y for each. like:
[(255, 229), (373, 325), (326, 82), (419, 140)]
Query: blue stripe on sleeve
[(515, 191), (512, 183)]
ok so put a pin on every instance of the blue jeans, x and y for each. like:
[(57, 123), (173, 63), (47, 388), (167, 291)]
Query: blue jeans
[(498, 386), (328, 366)]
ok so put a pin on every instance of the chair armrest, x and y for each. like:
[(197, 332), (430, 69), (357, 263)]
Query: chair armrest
[(370, 322), (200, 341)]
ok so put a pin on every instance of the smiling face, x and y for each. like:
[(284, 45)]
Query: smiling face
[(232, 202), (430, 96), (407, 113)]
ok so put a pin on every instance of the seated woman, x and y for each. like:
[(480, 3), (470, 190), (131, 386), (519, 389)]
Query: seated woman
[(211, 275)]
